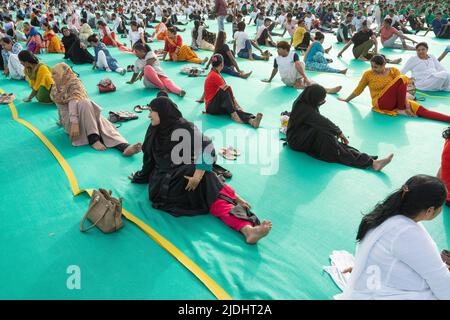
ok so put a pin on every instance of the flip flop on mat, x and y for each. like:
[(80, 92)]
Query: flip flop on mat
[(7, 98), (139, 108), (229, 153)]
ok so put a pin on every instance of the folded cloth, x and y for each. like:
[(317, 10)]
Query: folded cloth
[(340, 261)]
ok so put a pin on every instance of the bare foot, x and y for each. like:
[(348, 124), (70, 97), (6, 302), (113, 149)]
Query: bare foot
[(255, 122), (334, 90), (182, 93), (378, 165), (99, 146), (131, 150), (254, 234), (344, 71), (246, 75)]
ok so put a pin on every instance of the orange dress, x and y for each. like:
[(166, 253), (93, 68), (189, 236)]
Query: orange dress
[(52, 42)]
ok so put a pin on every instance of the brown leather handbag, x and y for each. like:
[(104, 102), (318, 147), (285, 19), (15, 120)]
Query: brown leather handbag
[(105, 212)]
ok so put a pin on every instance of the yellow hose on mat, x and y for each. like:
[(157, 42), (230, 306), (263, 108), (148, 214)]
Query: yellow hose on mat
[(215, 289)]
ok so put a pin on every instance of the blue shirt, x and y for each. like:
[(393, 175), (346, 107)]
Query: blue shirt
[(316, 47), (437, 25)]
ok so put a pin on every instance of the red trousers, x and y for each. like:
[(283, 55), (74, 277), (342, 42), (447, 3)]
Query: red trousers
[(221, 208), (395, 99)]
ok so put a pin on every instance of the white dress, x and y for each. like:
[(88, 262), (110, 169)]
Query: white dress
[(429, 74)]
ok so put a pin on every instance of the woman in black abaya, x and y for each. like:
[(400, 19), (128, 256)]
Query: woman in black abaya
[(310, 132), (177, 166), (74, 49)]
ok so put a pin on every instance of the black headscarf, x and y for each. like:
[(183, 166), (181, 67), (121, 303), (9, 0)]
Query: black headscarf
[(169, 116), (312, 95), (68, 42), (309, 100)]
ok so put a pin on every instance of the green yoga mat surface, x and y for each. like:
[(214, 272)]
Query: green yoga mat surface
[(315, 206)]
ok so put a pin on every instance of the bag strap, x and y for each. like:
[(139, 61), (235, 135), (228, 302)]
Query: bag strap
[(227, 199), (95, 224)]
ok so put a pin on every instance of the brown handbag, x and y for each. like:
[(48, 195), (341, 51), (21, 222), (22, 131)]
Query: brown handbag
[(105, 212)]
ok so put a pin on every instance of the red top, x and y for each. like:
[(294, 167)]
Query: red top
[(213, 83), (445, 166), (171, 46)]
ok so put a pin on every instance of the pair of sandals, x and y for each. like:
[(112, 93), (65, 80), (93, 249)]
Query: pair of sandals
[(7, 98), (130, 68), (140, 109), (229, 153)]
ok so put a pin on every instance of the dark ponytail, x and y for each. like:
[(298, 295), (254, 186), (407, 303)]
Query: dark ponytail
[(417, 194)]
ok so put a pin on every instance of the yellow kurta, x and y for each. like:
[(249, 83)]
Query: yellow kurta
[(379, 84), (42, 78)]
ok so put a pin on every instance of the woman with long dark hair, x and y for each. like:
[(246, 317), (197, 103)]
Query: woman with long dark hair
[(230, 65), (396, 256), (177, 166), (310, 132)]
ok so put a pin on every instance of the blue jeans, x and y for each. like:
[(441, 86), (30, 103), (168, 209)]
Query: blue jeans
[(244, 53), (221, 22), (230, 70)]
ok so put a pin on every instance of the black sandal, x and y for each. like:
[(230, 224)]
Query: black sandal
[(221, 171)]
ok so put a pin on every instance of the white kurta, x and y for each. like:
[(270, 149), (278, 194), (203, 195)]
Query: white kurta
[(429, 74), (398, 260)]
